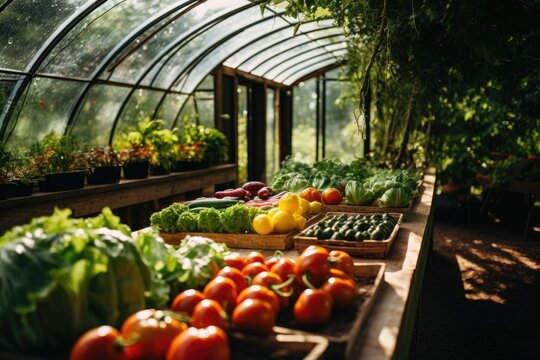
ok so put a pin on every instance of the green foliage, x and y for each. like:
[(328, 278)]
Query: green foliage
[(56, 154), (215, 146)]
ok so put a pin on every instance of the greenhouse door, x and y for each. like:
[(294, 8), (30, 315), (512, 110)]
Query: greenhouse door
[(251, 130)]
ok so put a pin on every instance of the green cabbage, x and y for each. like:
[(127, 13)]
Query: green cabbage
[(60, 277), (395, 197), (357, 194)]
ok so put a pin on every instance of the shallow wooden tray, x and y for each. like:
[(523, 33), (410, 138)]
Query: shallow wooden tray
[(366, 209), (245, 241), (344, 327), (366, 248), (283, 344)]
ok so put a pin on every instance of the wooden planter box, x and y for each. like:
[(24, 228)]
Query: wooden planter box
[(244, 241), (365, 248), (344, 327)]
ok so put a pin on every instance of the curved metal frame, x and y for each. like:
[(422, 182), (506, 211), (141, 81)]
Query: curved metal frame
[(180, 42), (117, 50), (40, 56), (308, 40), (208, 50), (306, 75), (313, 61), (302, 53), (4, 5)]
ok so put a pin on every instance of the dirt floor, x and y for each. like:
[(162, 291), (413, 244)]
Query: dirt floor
[(481, 294)]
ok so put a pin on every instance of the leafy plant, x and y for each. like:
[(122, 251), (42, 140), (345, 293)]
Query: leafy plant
[(215, 144), (56, 154), (102, 156)]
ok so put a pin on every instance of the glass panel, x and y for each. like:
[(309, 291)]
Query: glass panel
[(306, 71), (141, 104), (272, 136), (219, 54), (94, 124), (207, 83), (304, 121), (341, 136), (5, 89), (133, 65), (169, 108), (293, 43), (247, 53), (206, 112), (25, 25), (242, 129), (45, 108), (205, 40), (188, 113), (272, 72), (272, 62), (307, 64), (339, 73), (88, 43)]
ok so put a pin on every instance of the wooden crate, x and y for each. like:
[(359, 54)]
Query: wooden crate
[(245, 241), (366, 209), (366, 248), (283, 344), (344, 327)]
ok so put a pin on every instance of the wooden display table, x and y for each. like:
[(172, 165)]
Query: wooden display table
[(92, 198), (390, 329)]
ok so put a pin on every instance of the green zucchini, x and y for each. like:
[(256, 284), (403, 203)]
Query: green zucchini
[(212, 202)]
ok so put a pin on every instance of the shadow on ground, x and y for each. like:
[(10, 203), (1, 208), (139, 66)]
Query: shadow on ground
[(481, 293)]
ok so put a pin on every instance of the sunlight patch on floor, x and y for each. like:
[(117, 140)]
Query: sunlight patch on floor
[(472, 276), (519, 256)]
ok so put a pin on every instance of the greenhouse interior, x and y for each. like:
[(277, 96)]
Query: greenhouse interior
[(241, 179)]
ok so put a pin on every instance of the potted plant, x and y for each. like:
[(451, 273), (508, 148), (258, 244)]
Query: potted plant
[(136, 160), (59, 163), (190, 157), (103, 166), (211, 143), (160, 142), (5, 164)]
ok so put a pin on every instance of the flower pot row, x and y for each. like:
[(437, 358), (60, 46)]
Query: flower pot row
[(98, 176)]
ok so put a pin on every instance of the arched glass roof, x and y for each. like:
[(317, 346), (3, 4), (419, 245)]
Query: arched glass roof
[(92, 67)]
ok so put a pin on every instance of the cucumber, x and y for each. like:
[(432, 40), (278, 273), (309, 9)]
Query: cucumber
[(212, 202)]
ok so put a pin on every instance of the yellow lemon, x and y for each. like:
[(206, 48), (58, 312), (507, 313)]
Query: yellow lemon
[(304, 204), (298, 212), (289, 202), (315, 207), (272, 211), (300, 222), (262, 224), (284, 222)]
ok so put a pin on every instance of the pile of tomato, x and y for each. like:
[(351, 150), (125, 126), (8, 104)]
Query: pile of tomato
[(246, 295)]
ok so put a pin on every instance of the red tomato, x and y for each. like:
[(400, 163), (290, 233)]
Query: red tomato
[(235, 275), (153, 332), (253, 269), (342, 261), (343, 292), (313, 307), (261, 293), (314, 262), (274, 259), (209, 312), (268, 279), (185, 301), (254, 257), (210, 343), (311, 194), (339, 274), (223, 290), (332, 196), (284, 267), (254, 316), (235, 260), (99, 343)]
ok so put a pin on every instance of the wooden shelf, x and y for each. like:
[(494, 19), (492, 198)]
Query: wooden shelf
[(92, 198)]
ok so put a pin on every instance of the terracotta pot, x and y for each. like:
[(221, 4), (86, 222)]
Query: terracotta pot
[(136, 170), (62, 181), (104, 175)]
